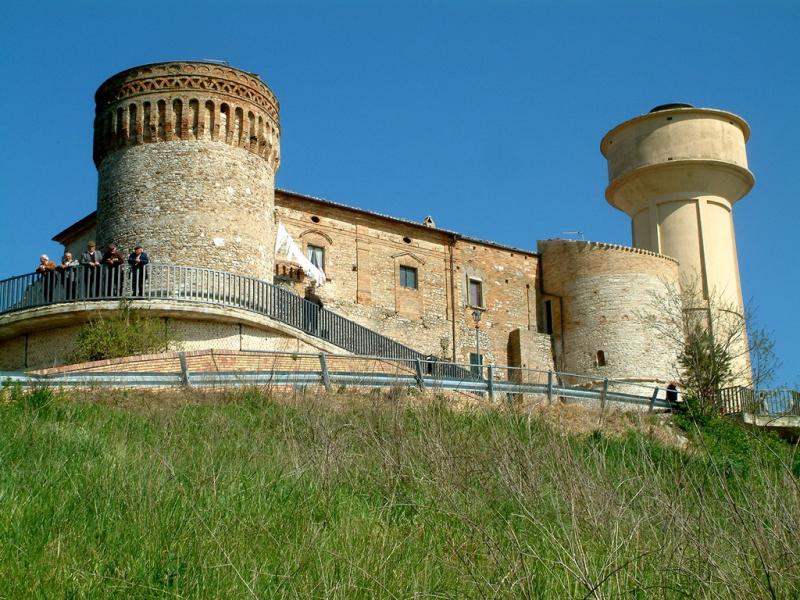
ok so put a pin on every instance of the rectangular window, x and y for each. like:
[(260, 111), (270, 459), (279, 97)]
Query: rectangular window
[(476, 364), (408, 277), (475, 292), (316, 255), (548, 317)]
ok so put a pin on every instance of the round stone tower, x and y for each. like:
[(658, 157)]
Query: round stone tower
[(187, 154), (607, 326)]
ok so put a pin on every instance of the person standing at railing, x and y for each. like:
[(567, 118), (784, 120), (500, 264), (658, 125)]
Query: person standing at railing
[(68, 271), (46, 269), (138, 262), (672, 396), (91, 260), (112, 261), (45, 264), (311, 310)]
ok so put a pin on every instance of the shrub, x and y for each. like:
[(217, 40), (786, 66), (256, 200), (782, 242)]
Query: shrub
[(37, 399), (127, 332)]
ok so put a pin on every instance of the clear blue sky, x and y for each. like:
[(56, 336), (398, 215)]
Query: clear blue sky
[(486, 115)]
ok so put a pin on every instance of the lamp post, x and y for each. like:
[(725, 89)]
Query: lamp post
[(476, 316)]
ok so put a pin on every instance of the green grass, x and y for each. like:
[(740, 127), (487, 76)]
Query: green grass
[(241, 496)]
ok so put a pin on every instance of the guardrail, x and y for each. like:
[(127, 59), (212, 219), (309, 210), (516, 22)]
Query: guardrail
[(331, 370), (195, 284), (774, 402)]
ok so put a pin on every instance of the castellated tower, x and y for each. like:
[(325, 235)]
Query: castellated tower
[(187, 154), (677, 172)]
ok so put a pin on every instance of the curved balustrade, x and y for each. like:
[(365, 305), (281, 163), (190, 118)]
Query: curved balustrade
[(193, 284)]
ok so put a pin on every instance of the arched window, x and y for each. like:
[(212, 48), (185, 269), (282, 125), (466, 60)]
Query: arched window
[(600, 359), (177, 111)]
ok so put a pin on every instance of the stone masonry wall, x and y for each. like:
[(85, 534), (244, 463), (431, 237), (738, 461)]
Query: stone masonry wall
[(52, 347), (607, 297), (12, 354), (189, 203), (38, 349), (201, 335)]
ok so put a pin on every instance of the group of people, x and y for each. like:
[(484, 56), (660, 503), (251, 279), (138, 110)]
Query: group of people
[(97, 268)]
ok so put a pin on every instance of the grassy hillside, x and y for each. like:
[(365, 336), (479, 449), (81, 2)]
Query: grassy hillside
[(181, 496)]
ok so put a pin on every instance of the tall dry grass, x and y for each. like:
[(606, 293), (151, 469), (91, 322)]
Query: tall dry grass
[(252, 495)]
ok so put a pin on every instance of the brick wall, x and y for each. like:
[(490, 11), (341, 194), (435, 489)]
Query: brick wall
[(363, 257), (605, 296), (213, 360)]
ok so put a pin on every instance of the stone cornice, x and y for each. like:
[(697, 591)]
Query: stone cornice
[(187, 77), (173, 101)]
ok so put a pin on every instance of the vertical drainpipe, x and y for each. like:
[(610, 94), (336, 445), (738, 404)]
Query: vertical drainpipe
[(453, 293)]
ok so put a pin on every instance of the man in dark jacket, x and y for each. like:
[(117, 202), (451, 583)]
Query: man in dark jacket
[(112, 260), (91, 260), (138, 261)]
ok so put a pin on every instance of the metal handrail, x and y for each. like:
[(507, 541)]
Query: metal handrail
[(197, 284), (774, 402)]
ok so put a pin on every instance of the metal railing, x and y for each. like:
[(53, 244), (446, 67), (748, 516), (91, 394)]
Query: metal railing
[(774, 402), (332, 370), (195, 284)]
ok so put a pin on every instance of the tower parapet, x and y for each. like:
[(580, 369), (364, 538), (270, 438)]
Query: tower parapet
[(187, 154), (182, 101)]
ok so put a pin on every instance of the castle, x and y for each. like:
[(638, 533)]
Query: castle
[(187, 154)]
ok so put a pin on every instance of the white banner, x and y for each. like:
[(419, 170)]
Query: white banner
[(285, 242)]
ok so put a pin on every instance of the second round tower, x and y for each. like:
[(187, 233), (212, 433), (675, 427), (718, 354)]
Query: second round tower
[(187, 154)]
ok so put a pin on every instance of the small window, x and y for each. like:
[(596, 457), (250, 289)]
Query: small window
[(548, 317), (316, 254), (408, 277), (600, 359), (475, 292), (476, 364)]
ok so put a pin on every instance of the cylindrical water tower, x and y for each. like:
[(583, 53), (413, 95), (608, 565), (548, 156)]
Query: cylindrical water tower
[(187, 154), (677, 172)]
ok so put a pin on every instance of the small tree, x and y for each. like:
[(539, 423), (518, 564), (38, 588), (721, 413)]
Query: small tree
[(717, 345), (125, 333), (706, 365)]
